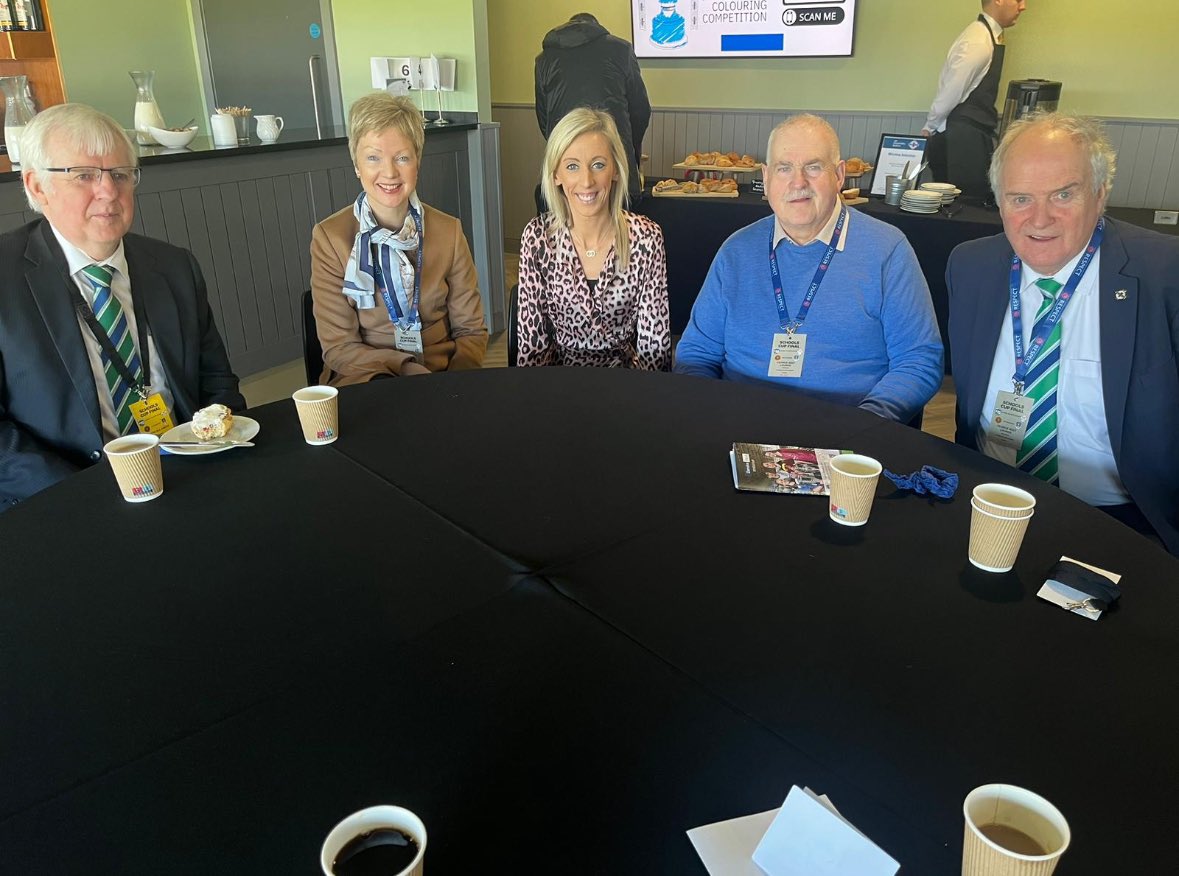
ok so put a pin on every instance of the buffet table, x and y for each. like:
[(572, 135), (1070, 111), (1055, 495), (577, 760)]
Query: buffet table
[(693, 231), (562, 639)]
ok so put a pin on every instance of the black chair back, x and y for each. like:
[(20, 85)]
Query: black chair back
[(312, 351), (513, 335)]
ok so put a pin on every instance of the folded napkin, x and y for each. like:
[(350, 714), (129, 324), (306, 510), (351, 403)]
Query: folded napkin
[(934, 481), (1082, 589)]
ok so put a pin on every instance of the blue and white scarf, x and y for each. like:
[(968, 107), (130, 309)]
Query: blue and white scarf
[(360, 281)]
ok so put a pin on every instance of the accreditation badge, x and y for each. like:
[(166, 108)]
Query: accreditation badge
[(151, 414), (1009, 421), (787, 354), (408, 340)]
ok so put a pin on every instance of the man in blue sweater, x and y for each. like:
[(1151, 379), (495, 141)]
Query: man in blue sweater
[(817, 298)]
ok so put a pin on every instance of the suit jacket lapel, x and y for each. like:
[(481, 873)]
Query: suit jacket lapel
[(1119, 324), (151, 293), (992, 300), (49, 284)]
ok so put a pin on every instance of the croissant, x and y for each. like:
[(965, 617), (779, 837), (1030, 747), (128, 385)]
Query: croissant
[(724, 161)]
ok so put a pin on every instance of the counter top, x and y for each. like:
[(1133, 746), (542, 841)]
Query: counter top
[(202, 147)]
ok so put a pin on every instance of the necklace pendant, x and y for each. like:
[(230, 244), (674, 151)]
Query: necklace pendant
[(592, 253)]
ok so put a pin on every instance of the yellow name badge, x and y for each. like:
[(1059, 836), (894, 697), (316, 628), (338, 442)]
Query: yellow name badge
[(152, 414)]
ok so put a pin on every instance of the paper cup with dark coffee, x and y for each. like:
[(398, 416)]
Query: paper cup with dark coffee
[(380, 839), (853, 487), (1011, 831), (1004, 500), (319, 413), (995, 540), (135, 460)]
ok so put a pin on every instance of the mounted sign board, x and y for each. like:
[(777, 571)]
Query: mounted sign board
[(743, 28)]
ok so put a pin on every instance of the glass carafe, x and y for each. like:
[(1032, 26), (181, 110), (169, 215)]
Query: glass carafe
[(18, 112), (147, 111)]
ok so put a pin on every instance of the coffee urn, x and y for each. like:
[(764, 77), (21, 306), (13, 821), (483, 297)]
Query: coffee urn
[(1025, 96)]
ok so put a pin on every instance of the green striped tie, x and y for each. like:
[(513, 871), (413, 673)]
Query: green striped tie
[(110, 316), (1037, 453)]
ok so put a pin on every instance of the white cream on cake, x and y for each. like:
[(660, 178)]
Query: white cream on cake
[(212, 422)]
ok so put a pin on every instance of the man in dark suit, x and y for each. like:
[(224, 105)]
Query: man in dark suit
[(61, 394), (1086, 393)]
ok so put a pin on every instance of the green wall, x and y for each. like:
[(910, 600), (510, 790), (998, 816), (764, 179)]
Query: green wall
[(1103, 52), (446, 28), (97, 45)]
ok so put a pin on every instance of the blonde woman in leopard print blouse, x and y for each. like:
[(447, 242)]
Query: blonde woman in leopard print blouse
[(593, 277)]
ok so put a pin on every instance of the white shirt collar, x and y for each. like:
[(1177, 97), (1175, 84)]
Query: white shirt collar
[(824, 236), (1029, 277), (993, 25), (77, 259)]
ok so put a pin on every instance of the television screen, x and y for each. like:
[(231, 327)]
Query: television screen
[(743, 28)]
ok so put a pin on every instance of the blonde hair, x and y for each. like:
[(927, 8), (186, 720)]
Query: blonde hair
[(584, 120), (381, 111)]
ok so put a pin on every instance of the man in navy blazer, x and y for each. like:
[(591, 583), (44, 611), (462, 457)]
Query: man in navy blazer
[(56, 409), (1116, 387)]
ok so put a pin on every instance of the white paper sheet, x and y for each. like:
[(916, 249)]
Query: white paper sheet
[(806, 837)]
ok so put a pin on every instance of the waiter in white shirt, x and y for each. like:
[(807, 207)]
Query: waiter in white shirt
[(962, 121)]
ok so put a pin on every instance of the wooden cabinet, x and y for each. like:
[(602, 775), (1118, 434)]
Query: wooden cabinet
[(33, 53)]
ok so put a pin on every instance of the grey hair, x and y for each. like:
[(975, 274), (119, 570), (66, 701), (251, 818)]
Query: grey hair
[(1087, 133), (809, 119), (78, 128)]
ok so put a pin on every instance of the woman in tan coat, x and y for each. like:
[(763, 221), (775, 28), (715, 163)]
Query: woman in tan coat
[(392, 280)]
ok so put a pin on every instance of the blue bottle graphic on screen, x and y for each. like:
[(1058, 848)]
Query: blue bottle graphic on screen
[(667, 28)]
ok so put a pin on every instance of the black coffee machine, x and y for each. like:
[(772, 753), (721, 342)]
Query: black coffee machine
[(1025, 96)]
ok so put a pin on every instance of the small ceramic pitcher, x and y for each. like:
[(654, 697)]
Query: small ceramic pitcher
[(269, 127)]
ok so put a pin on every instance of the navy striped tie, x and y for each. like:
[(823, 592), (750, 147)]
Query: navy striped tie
[(114, 323), (1037, 453)]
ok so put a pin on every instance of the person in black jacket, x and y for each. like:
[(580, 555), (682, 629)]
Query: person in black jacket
[(583, 64)]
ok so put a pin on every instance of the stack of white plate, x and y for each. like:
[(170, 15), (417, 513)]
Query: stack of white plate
[(948, 191), (921, 201)]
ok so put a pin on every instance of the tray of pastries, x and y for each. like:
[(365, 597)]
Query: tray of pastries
[(719, 161), (855, 167), (706, 188)]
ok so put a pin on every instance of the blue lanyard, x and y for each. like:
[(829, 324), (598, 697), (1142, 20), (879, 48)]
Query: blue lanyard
[(406, 317), (821, 272), (1042, 329)]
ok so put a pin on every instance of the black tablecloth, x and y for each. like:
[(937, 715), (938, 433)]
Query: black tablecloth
[(529, 605), (693, 231)]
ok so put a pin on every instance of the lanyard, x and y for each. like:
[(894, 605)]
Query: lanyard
[(86, 312), (1042, 329), (407, 317), (821, 272)]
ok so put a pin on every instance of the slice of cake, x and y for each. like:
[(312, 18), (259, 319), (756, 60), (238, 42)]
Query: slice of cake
[(212, 422)]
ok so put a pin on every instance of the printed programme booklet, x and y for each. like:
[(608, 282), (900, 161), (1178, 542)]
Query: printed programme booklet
[(776, 468)]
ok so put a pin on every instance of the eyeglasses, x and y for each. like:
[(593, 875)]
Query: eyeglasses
[(813, 170), (121, 177)]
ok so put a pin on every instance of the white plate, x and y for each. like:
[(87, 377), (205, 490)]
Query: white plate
[(243, 429), (938, 187)]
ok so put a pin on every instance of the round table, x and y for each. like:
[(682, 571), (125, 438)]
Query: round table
[(529, 605)]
